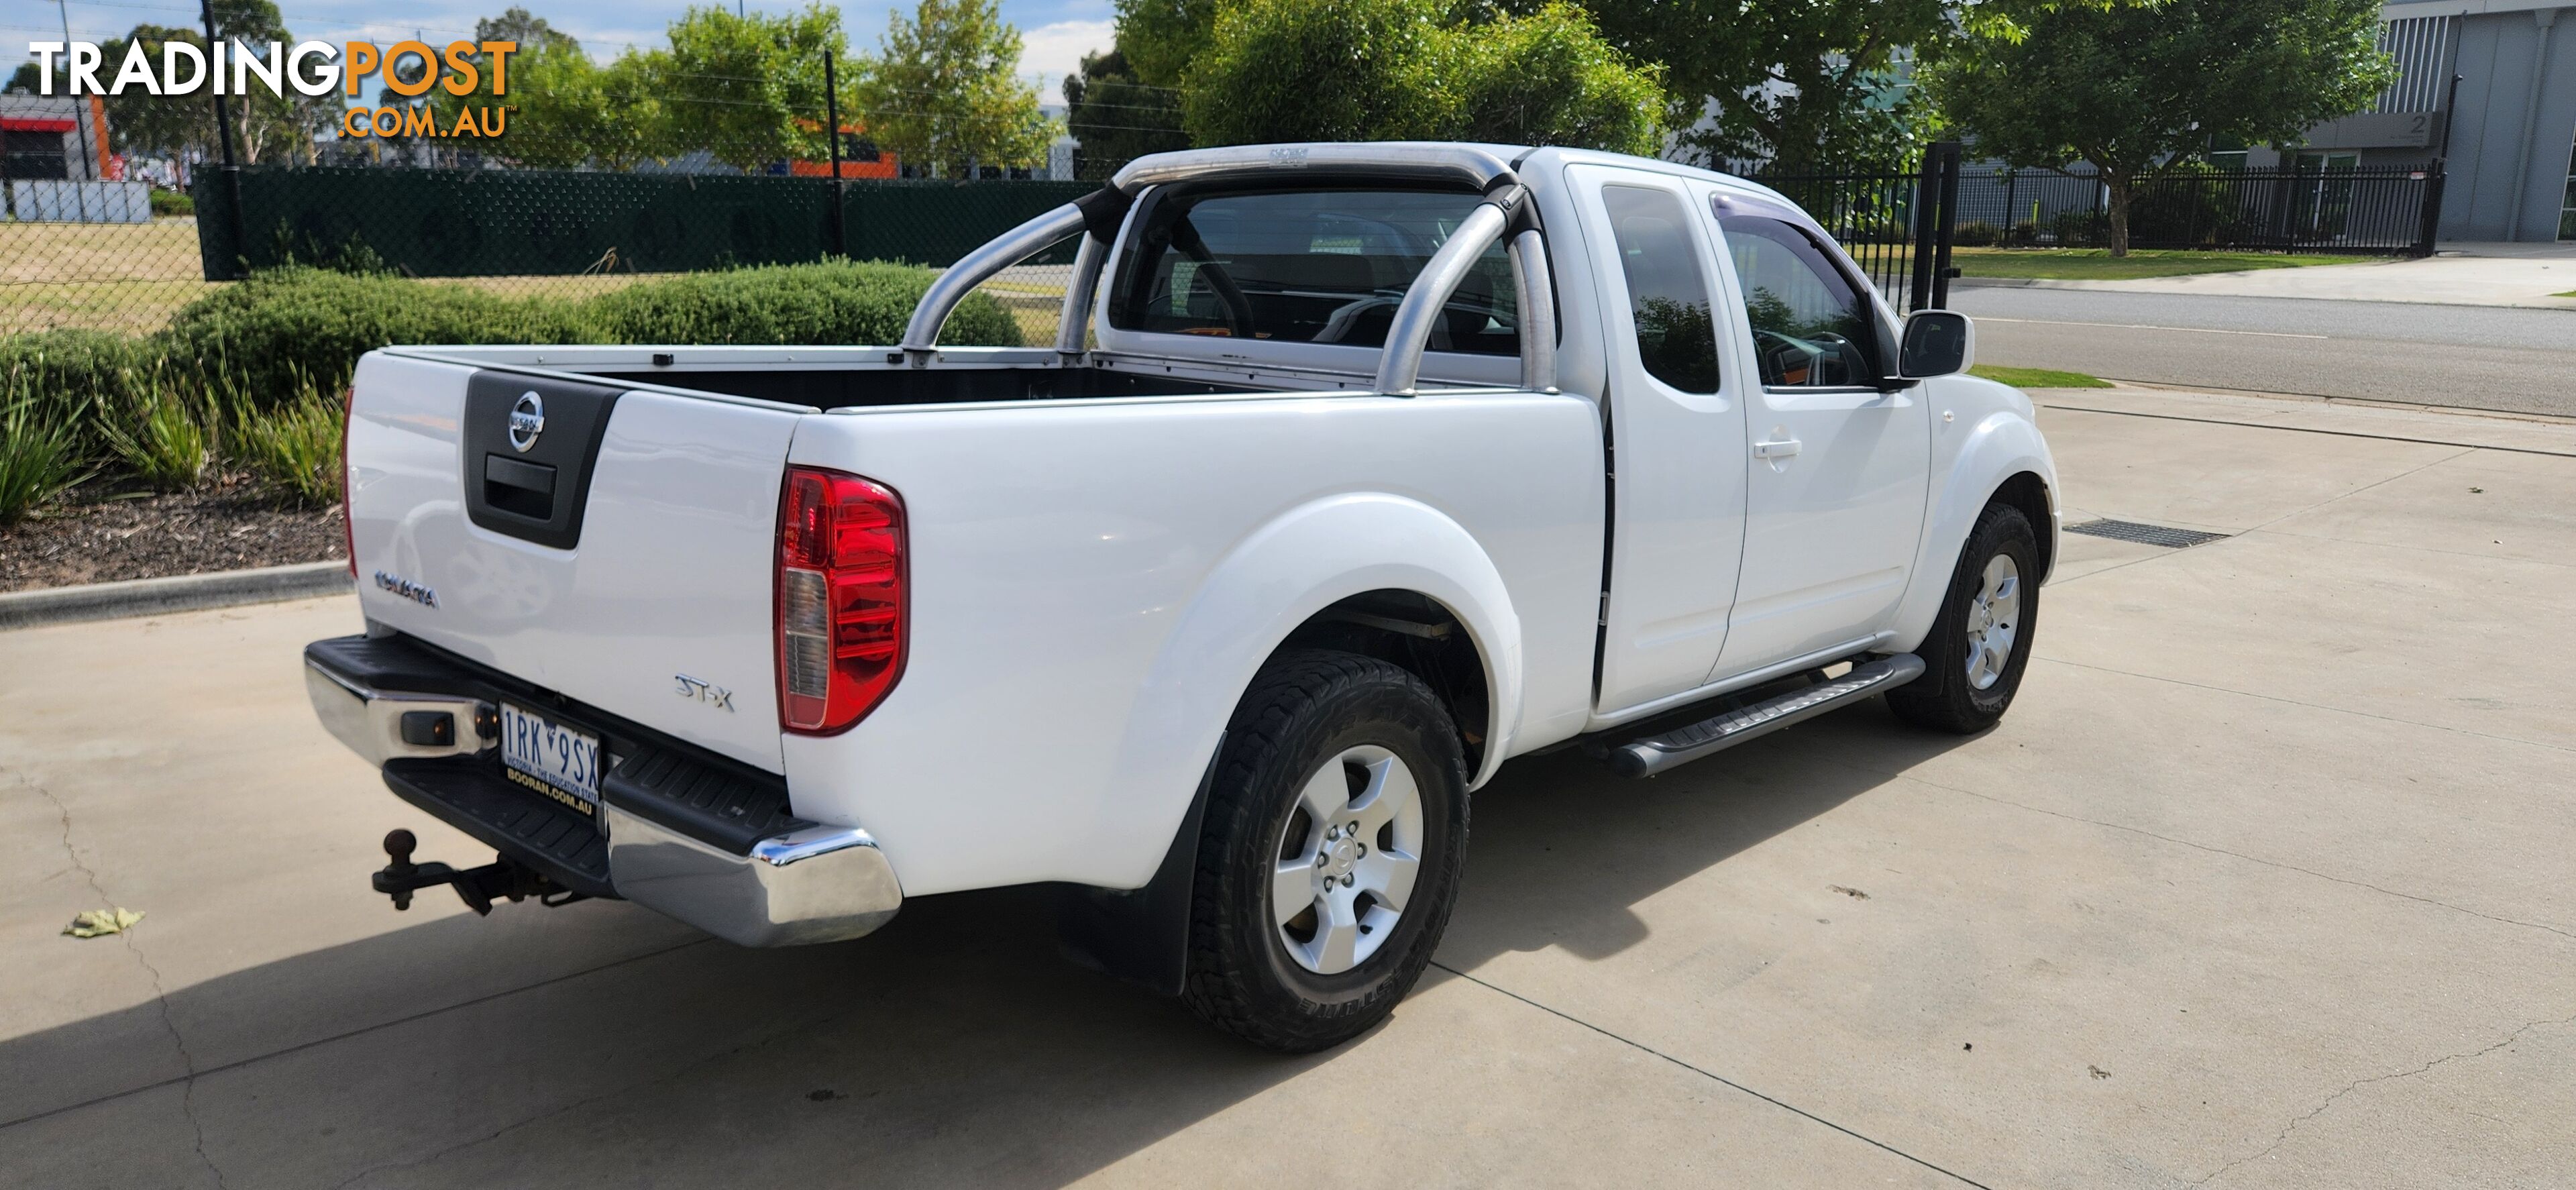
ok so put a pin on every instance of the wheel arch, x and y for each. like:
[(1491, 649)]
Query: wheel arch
[(2001, 459), (1308, 576), (1377, 574)]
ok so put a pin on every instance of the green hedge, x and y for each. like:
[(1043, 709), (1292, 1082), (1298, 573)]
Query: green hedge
[(264, 339), (305, 324), (805, 304)]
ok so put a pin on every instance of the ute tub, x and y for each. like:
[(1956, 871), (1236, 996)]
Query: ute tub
[(680, 830)]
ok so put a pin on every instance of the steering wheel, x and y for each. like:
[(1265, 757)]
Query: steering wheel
[(1238, 308), (1828, 360)]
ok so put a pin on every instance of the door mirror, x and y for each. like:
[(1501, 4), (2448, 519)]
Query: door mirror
[(1937, 343)]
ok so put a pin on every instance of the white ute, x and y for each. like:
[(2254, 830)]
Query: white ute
[(1356, 471)]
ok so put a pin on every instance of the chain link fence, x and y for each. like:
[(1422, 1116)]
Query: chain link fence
[(559, 235)]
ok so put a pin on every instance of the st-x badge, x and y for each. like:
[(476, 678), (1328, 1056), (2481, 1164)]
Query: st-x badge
[(706, 692), (527, 420)]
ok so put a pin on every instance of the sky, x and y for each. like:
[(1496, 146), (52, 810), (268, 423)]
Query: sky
[(1054, 33)]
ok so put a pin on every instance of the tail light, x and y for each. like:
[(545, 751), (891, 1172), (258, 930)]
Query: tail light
[(841, 599), (348, 527)]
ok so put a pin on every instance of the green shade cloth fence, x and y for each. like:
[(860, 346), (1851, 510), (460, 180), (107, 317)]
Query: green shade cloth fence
[(493, 223)]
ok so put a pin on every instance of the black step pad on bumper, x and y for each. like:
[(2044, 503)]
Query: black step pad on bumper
[(470, 794), (717, 806)]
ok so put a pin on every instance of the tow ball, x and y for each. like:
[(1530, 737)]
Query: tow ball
[(477, 887)]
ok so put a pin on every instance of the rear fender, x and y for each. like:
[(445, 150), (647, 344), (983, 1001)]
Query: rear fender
[(1297, 565)]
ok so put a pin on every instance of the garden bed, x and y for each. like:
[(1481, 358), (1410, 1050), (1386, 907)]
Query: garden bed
[(231, 523)]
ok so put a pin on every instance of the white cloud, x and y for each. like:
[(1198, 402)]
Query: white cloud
[(1052, 51)]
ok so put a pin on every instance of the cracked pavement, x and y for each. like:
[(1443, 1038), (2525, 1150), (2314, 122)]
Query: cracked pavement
[(2264, 883)]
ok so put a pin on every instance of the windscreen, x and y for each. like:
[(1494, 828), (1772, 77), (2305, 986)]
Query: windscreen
[(1308, 266)]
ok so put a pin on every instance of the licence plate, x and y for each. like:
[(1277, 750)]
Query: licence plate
[(551, 758)]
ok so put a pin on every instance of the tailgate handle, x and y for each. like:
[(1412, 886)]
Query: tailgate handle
[(518, 486)]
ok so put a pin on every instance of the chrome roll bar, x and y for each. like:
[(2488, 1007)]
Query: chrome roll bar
[(1425, 161), (1076, 319), (1409, 335), (1424, 304), (1537, 297), (921, 335)]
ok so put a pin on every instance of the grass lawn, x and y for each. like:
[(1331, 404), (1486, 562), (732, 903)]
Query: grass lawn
[(2037, 377), (2097, 264)]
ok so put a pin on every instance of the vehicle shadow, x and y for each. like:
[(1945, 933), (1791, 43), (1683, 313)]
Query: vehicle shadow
[(955, 1045)]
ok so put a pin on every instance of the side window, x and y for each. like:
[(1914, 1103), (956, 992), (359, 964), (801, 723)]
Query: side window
[(1667, 293), (1812, 328)]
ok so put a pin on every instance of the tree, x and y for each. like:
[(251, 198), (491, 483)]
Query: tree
[(1549, 78), (566, 111), (1287, 70), (575, 112), (1292, 70), (1800, 86), (266, 125), (2136, 91), (1162, 38), (945, 90), (749, 88), (1116, 118), (183, 123), (532, 33)]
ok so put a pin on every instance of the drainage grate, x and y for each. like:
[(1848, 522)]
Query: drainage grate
[(2169, 538)]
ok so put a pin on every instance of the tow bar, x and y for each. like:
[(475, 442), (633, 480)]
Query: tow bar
[(477, 887)]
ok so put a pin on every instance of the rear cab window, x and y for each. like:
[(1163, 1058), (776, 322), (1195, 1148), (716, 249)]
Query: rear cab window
[(1667, 295), (1325, 266)]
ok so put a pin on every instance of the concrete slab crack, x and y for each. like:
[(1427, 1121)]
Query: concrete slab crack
[(2357, 1084), (160, 992)]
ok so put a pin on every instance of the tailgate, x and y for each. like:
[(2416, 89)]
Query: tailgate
[(618, 548)]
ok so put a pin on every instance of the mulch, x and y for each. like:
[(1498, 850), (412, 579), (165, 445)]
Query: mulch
[(99, 536)]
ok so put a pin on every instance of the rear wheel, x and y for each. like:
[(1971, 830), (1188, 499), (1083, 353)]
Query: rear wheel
[(1331, 853), (1973, 660)]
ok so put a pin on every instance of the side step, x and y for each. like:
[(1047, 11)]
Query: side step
[(1654, 754)]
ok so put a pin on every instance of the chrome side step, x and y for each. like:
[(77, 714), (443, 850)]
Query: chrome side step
[(1654, 754)]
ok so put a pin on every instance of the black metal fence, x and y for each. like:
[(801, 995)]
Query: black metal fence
[(2373, 211)]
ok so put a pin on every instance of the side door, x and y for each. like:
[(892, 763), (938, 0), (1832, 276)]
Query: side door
[(1676, 427), (1838, 469)]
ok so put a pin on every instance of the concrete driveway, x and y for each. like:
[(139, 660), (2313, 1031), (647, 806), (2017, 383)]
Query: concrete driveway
[(2265, 882)]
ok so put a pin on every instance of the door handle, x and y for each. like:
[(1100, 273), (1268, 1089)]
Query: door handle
[(1778, 448)]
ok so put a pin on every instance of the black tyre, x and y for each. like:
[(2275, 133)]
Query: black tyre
[(1974, 658), (1334, 833)]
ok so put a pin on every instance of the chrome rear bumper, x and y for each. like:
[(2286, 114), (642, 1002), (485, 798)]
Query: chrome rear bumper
[(369, 720), (819, 884), (814, 883)]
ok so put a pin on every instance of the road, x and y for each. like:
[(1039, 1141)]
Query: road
[(2263, 883), (2471, 357)]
